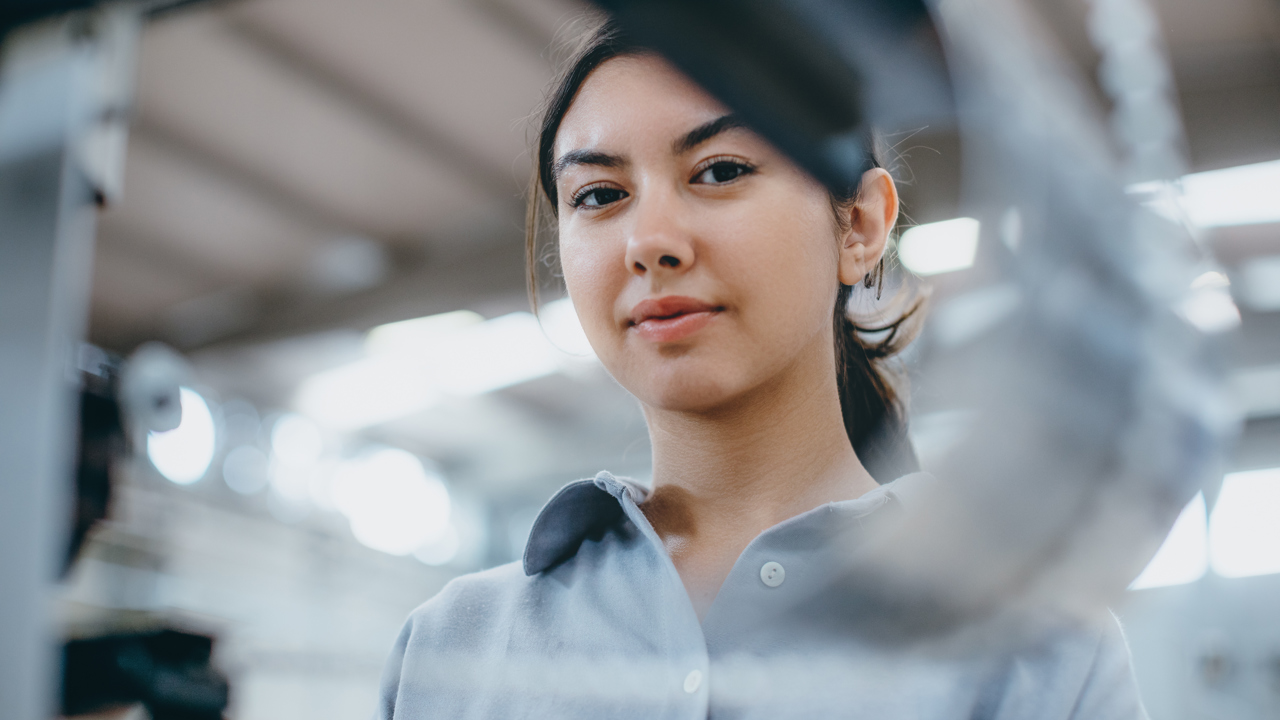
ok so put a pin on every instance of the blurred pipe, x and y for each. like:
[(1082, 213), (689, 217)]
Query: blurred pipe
[(1135, 74)]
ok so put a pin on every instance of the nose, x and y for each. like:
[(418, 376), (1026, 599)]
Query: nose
[(659, 242)]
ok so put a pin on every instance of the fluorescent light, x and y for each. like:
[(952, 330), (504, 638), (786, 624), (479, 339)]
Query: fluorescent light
[(1210, 310), (498, 353), (419, 335), (367, 392), (183, 454), (1211, 280), (1241, 195), (1184, 556), (393, 504), (1244, 531), (413, 364), (296, 440), (1209, 306), (939, 247)]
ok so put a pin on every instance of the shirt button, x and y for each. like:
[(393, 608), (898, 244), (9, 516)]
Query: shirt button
[(693, 681), (772, 574)]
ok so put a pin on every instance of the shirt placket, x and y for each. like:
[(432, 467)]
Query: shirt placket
[(688, 656)]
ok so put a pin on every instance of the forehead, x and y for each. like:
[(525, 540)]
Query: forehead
[(632, 100)]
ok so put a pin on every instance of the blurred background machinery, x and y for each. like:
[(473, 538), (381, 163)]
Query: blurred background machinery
[(320, 199)]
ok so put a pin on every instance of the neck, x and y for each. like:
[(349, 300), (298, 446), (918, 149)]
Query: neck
[(721, 477)]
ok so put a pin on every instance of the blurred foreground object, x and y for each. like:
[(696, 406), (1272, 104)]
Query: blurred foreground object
[(167, 671), (121, 403), (149, 388), (65, 92), (101, 446), (1094, 405)]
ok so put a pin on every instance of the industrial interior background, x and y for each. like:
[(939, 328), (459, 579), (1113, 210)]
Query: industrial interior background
[(301, 172)]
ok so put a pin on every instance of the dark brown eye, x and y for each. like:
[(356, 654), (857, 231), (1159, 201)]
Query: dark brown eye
[(598, 197), (721, 172)]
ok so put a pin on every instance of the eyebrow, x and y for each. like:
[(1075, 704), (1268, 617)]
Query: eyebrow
[(681, 145), (586, 157), (705, 132)]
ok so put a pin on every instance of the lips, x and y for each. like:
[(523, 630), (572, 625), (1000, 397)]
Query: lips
[(671, 318)]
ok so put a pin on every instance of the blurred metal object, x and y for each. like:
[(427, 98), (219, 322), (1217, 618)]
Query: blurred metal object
[(100, 445), (1095, 410), (149, 385), (1100, 410), (61, 83), (1136, 76)]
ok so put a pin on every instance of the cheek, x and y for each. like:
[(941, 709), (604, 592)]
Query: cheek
[(591, 274), (782, 255)]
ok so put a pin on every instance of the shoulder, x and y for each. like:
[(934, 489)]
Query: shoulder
[(469, 604), (460, 621), (447, 645), (1082, 671), (581, 513)]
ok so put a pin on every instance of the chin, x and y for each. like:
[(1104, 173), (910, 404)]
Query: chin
[(689, 389)]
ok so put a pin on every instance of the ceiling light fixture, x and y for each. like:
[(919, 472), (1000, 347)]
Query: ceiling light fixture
[(183, 454), (1241, 195), (939, 247), (1244, 537), (1184, 555), (393, 503), (413, 364)]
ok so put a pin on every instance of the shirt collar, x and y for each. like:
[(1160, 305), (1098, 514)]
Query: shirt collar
[(587, 508), (579, 510)]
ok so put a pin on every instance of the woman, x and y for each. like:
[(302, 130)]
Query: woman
[(711, 276)]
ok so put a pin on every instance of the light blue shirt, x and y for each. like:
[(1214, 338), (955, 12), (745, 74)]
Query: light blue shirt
[(596, 624)]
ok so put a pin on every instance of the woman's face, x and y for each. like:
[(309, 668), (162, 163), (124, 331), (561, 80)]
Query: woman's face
[(703, 264)]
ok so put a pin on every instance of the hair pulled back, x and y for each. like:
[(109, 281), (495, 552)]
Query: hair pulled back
[(872, 406)]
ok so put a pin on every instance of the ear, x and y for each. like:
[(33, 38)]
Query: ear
[(871, 217)]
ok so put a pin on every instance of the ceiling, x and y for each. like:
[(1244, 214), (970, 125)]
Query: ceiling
[(270, 134)]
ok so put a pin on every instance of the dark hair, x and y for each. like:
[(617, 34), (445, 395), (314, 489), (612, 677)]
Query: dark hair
[(874, 410)]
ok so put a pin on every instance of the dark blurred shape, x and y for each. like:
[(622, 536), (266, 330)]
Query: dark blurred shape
[(14, 13), (814, 77), (101, 444), (168, 671), (17, 12), (148, 388)]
